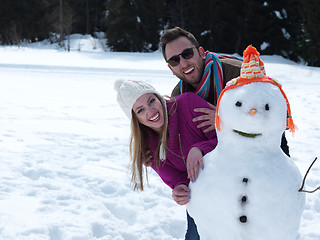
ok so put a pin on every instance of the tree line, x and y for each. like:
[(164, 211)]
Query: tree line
[(290, 28)]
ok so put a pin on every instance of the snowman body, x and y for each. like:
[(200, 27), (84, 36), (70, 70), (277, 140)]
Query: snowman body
[(248, 189)]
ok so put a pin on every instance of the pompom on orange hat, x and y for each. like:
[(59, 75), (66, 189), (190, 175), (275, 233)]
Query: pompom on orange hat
[(252, 70)]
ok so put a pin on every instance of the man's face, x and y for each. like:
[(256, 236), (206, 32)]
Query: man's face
[(188, 70)]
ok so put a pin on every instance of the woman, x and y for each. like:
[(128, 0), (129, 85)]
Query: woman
[(165, 138)]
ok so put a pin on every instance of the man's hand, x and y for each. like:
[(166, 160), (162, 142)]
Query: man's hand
[(194, 160), (208, 118), (181, 194), (148, 159)]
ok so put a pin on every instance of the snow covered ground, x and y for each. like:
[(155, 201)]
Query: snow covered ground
[(64, 144)]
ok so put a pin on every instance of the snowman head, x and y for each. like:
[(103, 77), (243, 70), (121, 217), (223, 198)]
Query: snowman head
[(253, 105)]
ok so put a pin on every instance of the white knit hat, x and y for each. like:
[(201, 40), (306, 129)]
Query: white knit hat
[(129, 91)]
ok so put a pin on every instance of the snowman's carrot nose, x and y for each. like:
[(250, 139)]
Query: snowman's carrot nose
[(252, 112)]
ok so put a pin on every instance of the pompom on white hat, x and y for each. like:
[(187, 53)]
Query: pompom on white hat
[(128, 91)]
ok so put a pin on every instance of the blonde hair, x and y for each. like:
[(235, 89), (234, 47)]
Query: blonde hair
[(138, 147)]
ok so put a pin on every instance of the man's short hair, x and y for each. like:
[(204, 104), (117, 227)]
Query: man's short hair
[(174, 33)]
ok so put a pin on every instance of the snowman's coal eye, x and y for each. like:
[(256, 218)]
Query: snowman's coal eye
[(238, 104), (267, 107)]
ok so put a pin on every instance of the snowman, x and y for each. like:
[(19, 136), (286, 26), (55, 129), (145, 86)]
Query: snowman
[(248, 189)]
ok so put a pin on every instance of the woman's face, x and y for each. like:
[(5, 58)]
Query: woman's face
[(149, 111)]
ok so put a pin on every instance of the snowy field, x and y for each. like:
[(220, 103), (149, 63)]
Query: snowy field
[(64, 144)]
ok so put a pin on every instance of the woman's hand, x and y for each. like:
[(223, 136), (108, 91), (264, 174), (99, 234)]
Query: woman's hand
[(181, 194), (194, 160), (208, 117)]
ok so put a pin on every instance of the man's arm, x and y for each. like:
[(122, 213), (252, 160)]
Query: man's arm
[(231, 69), (208, 117), (176, 91)]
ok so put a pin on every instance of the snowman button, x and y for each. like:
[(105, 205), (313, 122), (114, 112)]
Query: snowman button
[(243, 219), (245, 180), (244, 199)]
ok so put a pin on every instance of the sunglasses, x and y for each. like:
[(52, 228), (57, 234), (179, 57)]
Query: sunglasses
[(186, 54)]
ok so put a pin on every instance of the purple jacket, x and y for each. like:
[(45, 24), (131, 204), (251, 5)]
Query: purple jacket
[(173, 170)]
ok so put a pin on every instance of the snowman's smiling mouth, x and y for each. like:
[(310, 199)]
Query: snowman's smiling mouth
[(249, 135)]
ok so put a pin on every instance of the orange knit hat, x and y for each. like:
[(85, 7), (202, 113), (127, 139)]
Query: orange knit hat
[(252, 70)]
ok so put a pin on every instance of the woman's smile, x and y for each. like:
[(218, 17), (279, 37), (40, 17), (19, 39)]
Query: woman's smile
[(155, 117)]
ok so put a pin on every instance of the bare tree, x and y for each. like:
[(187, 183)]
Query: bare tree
[(62, 18)]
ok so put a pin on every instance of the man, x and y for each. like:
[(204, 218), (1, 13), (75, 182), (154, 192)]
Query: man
[(205, 74), (187, 60), (190, 70)]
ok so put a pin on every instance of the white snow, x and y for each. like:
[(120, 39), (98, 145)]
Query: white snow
[(64, 144)]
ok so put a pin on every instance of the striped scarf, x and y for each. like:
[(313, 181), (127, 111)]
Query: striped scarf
[(212, 67)]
